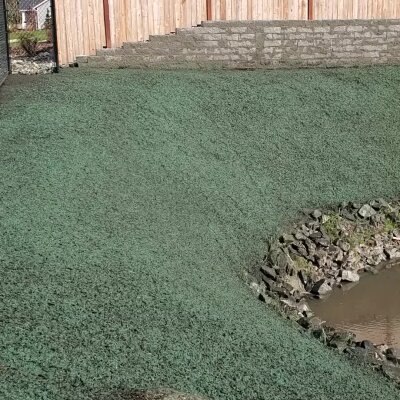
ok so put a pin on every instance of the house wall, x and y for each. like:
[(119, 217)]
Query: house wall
[(41, 14), (23, 19)]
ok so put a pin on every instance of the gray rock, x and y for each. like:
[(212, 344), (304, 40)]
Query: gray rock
[(325, 218), (270, 285), (269, 272), (282, 261), (348, 215), (324, 242), (394, 216), (286, 285), (343, 245), (382, 348), (310, 246), (303, 277), (339, 256), (315, 235), (392, 253), (344, 204), (377, 219), (275, 287), (366, 344), (393, 354), (321, 288), (299, 235), (370, 269), (373, 261), (303, 307), (295, 282), (309, 323), (349, 276), (391, 371), (319, 333), (341, 340), (366, 211), (376, 204), (384, 203), (362, 355), (305, 230), (300, 249), (286, 238), (321, 257), (273, 255), (316, 214), (282, 292)]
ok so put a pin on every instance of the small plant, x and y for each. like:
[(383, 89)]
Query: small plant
[(47, 26), (29, 43), (389, 225), (301, 264), (332, 226), (360, 237)]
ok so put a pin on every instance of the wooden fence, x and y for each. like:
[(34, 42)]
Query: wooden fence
[(356, 9), (135, 20), (259, 10), (82, 26)]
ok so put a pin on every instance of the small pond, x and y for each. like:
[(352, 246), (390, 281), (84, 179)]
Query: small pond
[(370, 308)]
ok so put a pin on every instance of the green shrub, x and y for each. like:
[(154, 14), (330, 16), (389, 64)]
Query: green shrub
[(29, 43)]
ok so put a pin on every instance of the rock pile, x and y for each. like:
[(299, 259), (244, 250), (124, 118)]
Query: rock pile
[(327, 249), (41, 64)]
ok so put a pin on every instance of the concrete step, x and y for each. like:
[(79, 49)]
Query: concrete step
[(114, 52), (168, 61), (134, 62), (163, 38)]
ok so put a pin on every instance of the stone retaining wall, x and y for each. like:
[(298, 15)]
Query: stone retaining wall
[(262, 44)]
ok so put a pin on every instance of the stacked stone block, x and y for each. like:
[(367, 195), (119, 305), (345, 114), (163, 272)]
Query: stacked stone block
[(261, 44)]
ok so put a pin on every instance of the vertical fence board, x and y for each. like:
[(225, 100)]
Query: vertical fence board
[(356, 9)]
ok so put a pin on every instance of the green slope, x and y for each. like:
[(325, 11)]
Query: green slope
[(130, 202)]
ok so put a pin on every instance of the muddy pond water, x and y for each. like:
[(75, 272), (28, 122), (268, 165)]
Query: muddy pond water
[(370, 308)]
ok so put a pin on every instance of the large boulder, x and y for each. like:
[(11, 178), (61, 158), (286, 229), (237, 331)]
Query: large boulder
[(366, 211), (321, 288), (350, 276), (393, 354)]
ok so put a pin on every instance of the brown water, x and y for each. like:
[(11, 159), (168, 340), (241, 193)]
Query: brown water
[(370, 309)]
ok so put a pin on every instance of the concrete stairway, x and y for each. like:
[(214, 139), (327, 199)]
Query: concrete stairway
[(205, 45)]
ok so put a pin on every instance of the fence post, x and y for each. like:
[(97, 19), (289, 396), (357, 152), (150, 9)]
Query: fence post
[(106, 7), (208, 8), (5, 16), (310, 10), (54, 35)]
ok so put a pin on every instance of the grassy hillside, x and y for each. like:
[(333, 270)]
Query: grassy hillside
[(130, 201)]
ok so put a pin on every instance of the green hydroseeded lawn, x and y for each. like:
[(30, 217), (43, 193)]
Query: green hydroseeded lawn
[(130, 203)]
